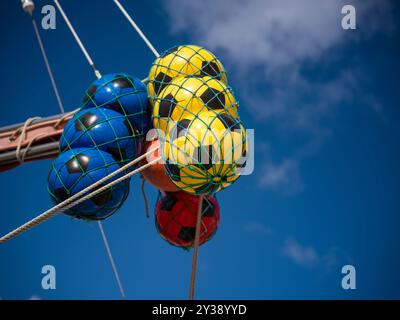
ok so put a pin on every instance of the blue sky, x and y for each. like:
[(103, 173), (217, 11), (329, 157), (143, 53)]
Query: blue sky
[(324, 105)]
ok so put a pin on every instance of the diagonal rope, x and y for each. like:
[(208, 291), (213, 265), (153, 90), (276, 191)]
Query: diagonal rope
[(65, 116), (110, 257), (74, 200), (46, 61), (60, 207), (136, 27), (98, 75), (78, 40), (21, 157), (196, 250)]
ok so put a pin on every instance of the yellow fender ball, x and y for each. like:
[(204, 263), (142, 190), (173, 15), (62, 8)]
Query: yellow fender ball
[(182, 61), (187, 97), (203, 155)]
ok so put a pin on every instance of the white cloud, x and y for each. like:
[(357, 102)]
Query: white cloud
[(274, 33), (284, 176), (266, 46), (274, 40), (307, 256), (302, 255), (257, 228), (335, 258)]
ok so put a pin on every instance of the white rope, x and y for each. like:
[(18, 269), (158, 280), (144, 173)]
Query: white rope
[(71, 202), (110, 257), (46, 61), (19, 155), (98, 75), (78, 40), (64, 117), (136, 27)]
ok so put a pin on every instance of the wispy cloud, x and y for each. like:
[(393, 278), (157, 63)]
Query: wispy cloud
[(283, 176), (287, 59), (258, 228), (335, 258), (300, 254), (268, 44), (307, 256), (272, 33)]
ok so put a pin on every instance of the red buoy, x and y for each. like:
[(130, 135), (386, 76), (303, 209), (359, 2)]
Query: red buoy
[(176, 215)]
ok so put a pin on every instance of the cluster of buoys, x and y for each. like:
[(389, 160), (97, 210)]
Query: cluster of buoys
[(197, 114), (106, 133), (201, 142), (204, 140)]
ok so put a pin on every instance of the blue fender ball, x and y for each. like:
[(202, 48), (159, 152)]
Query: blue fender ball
[(105, 129), (76, 169), (124, 94)]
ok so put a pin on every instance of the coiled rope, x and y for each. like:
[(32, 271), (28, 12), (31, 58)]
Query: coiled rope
[(21, 133)]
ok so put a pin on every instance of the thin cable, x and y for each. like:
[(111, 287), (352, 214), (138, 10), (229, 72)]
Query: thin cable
[(78, 40), (136, 27), (70, 202), (46, 61), (146, 202), (98, 75), (196, 250), (110, 257)]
